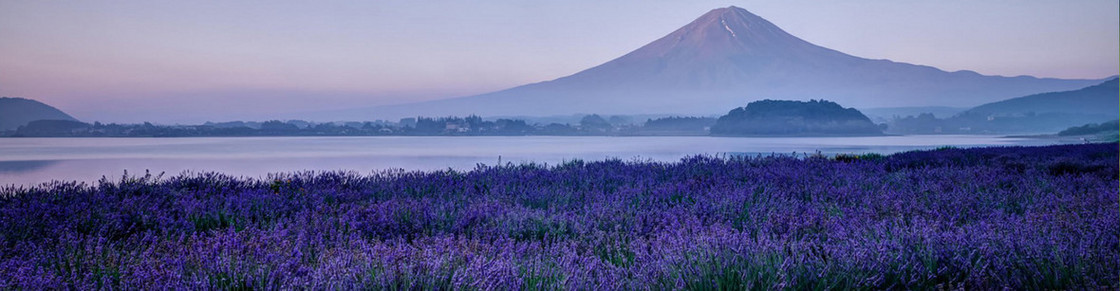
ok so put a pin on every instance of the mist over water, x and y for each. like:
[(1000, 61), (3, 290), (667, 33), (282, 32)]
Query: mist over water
[(31, 161)]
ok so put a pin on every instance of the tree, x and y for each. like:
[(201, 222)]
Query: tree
[(594, 122)]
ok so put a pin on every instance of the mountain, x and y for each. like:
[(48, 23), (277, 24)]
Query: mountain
[(726, 57), (1103, 99), (781, 117), (1033, 114), (16, 112)]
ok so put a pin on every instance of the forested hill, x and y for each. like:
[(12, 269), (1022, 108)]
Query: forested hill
[(1101, 99), (778, 117), (16, 112)]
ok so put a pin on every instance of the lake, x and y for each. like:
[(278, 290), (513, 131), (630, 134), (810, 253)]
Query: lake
[(31, 161)]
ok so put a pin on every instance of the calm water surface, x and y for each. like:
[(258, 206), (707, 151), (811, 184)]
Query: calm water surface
[(31, 161)]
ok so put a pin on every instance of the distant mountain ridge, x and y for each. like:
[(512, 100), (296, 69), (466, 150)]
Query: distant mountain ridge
[(1102, 98), (729, 56), (16, 112), (1033, 114)]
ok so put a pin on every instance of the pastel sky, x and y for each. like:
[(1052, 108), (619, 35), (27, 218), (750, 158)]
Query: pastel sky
[(191, 61)]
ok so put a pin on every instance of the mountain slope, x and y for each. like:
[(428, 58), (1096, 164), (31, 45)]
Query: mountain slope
[(1103, 98), (1034, 114), (728, 57), (16, 112)]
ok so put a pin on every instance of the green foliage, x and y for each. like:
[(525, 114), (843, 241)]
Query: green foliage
[(594, 122), (778, 117), (1092, 128), (848, 158)]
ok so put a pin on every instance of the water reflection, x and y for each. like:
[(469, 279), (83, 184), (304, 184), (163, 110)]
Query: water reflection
[(31, 161), (24, 166)]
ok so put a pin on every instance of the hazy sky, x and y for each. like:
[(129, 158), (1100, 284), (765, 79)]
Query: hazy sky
[(129, 61)]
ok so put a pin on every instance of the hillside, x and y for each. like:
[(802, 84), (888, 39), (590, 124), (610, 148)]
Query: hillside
[(773, 117), (1092, 128), (1034, 114), (1102, 99), (16, 112), (723, 56)]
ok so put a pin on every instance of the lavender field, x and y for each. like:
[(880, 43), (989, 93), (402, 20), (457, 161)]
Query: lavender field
[(983, 218)]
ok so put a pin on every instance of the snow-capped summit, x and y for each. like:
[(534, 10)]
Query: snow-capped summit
[(729, 57)]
